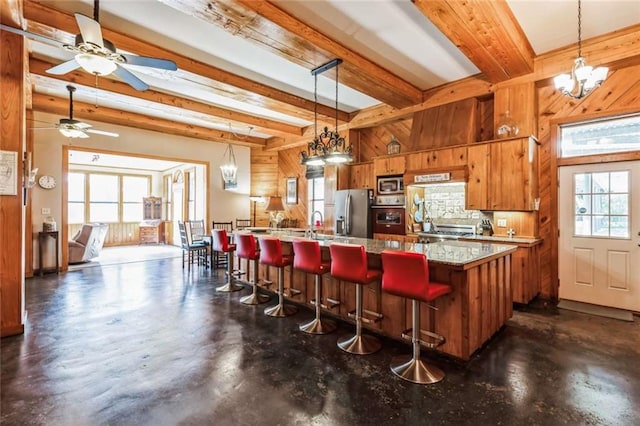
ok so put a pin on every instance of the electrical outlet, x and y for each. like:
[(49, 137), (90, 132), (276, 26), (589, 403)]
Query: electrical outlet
[(46, 210), (502, 223)]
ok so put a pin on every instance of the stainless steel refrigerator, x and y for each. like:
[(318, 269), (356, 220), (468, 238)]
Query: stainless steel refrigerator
[(353, 213)]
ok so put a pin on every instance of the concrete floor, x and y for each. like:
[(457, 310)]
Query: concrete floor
[(149, 343)]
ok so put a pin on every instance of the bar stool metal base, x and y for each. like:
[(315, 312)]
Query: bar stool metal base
[(415, 370), (229, 287), (280, 311), (360, 344), (318, 326), (254, 299)]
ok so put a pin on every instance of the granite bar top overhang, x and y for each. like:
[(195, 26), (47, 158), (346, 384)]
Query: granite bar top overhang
[(459, 254)]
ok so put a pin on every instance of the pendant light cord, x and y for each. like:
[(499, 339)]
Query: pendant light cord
[(579, 28), (315, 106), (336, 128)]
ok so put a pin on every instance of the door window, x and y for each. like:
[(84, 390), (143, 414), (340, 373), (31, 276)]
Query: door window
[(601, 204)]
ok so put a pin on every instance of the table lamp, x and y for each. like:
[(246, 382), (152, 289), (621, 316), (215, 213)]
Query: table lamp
[(275, 208)]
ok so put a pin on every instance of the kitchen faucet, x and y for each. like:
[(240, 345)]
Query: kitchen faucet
[(313, 233)]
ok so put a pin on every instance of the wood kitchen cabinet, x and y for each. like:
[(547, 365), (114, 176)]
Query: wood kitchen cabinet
[(503, 175), (389, 165), (437, 159), (362, 176)]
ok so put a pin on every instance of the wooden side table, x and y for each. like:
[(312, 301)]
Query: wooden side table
[(42, 239)]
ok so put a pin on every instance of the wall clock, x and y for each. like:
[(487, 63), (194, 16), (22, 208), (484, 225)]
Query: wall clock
[(47, 182)]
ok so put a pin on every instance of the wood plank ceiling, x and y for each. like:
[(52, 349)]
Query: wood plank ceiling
[(486, 32)]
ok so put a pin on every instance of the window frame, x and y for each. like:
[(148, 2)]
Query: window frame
[(87, 193)]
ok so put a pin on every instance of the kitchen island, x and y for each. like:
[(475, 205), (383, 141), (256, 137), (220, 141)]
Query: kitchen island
[(478, 306)]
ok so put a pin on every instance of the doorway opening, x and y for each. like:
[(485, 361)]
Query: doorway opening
[(139, 200)]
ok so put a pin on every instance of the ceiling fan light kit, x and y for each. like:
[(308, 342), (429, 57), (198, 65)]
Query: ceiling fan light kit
[(583, 78)]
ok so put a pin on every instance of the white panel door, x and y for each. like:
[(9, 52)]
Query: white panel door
[(599, 245)]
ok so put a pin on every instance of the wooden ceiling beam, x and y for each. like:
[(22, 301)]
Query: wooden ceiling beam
[(265, 24), (224, 116), (60, 26), (11, 13), (60, 106), (487, 32)]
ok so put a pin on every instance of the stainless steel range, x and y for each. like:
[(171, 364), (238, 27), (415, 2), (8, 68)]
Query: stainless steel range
[(446, 232)]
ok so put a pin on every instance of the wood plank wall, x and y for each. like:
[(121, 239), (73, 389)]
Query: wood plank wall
[(264, 181), (620, 93), (118, 234)]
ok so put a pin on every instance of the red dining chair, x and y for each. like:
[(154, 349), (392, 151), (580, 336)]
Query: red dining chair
[(349, 263), (406, 274), (308, 258)]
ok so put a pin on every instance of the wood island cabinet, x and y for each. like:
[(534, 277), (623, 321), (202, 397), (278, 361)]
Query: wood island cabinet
[(503, 175), (389, 165)]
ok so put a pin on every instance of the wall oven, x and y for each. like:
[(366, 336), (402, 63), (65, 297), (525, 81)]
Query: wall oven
[(388, 220), (389, 185)]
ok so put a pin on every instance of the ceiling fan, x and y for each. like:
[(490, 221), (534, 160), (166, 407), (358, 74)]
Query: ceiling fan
[(73, 128), (98, 56)]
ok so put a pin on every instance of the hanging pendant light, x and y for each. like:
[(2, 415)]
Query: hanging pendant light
[(327, 146), (229, 169), (583, 78)]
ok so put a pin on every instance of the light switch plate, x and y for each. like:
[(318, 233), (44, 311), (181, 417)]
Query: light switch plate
[(46, 210), (502, 223)]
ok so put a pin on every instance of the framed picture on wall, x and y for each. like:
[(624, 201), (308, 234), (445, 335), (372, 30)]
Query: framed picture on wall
[(292, 190)]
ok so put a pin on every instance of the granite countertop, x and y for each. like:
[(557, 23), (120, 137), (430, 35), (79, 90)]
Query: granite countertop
[(448, 252), (522, 241)]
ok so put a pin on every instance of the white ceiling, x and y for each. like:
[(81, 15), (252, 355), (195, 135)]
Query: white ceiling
[(391, 33)]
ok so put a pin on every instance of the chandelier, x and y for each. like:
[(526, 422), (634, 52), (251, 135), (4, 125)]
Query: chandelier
[(229, 169), (583, 78), (327, 146)]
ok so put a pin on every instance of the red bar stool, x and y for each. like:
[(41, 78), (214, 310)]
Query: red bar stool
[(271, 254), (308, 258), (247, 248), (406, 274), (349, 263), (220, 243)]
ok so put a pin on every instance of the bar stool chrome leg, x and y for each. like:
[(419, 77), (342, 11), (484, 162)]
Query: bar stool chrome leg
[(255, 298), (411, 367), (360, 344), (230, 286), (317, 325), (280, 310)]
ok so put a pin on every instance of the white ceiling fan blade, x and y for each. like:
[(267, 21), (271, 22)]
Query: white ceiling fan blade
[(82, 126), (43, 128), (146, 61), (90, 30), (129, 78), (64, 67), (102, 132)]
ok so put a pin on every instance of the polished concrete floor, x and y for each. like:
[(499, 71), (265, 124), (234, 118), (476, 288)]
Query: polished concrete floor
[(148, 343)]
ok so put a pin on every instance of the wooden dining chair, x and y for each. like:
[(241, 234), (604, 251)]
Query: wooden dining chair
[(243, 223), (192, 251)]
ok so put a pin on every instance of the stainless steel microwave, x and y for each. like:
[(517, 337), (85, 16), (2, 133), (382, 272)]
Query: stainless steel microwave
[(390, 185)]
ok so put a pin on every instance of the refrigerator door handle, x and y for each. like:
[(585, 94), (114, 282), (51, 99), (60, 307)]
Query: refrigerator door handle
[(347, 215)]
